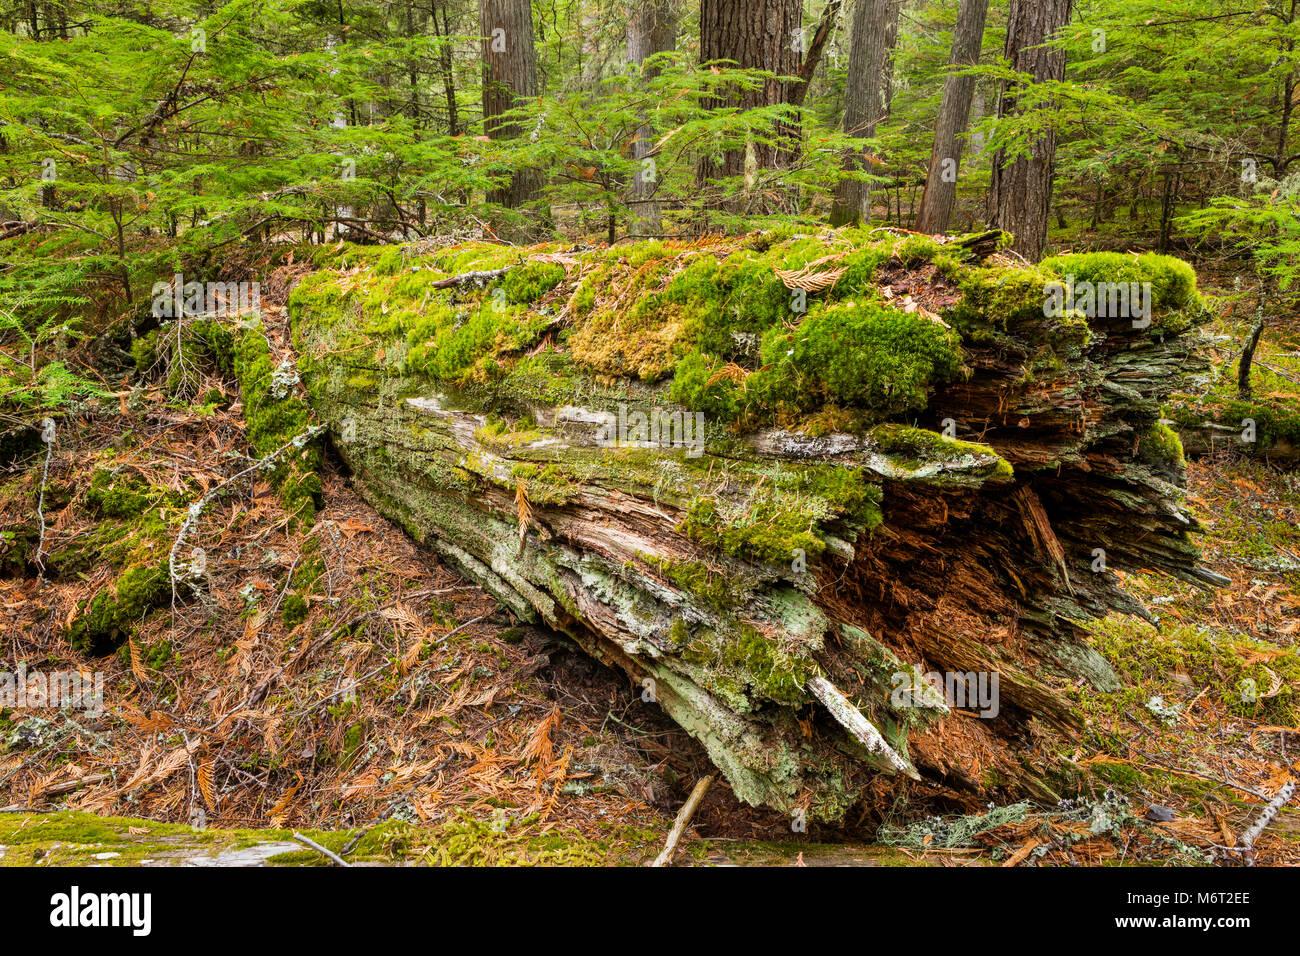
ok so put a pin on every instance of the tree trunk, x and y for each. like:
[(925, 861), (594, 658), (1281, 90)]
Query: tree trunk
[(954, 110), (757, 35), (651, 29), (1248, 356), (447, 66), (509, 74), (779, 594), (816, 47), (874, 29), (1020, 193)]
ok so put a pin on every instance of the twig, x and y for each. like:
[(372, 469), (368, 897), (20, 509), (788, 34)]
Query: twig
[(482, 276), (47, 436), (59, 789), (305, 841), (319, 848), (683, 821), (196, 509), (1246, 845)]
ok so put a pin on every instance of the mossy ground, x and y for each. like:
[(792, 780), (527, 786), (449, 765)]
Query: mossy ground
[(1264, 425), (70, 838)]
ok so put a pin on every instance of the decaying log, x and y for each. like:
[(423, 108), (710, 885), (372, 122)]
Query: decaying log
[(787, 582)]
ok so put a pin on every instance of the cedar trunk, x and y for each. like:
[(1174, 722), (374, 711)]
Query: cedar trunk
[(954, 111), (651, 29), (1021, 191), (875, 29), (759, 35), (509, 74)]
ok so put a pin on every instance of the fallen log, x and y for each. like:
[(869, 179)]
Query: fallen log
[(841, 505)]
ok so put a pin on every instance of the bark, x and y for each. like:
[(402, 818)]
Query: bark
[(758, 35), (509, 74), (954, 110), (875, 27), (1020, 193), (446, 66), (816, 47), (1248, 356), (651, 29), (984, 560)]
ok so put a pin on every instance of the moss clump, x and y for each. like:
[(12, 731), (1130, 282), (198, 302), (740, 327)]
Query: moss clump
[(743, 662), (919, 446), (1161, 448), (304, 582), (153, 657), (117, 495), (275, 415), (111, 616), (530, 281), (782, 513), (205, 345), (1173, 281), (700, 384), (860, 354), (294, 610), (721, 591)]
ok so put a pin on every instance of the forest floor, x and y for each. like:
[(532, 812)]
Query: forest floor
[(403, 716)]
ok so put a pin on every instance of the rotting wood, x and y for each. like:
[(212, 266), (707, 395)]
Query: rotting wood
[(957, 558)]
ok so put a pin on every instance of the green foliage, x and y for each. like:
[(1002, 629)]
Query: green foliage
[(276, 415)]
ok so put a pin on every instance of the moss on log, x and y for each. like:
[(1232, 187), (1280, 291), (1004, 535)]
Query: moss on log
[(777, 480)]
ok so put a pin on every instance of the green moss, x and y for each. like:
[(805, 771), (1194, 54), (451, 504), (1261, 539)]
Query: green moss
[(144, 351), (783, 512), (467, 841), (532, 280), (1161, 447), (865, 355), (275, 415), (723, 591), (1237, 670), (698, 386), (110, 617), (997, 297), (294, 610), (117, 494), (1277, 422), (1173, 281), (742, 660), (920, 446), (153, 656)]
